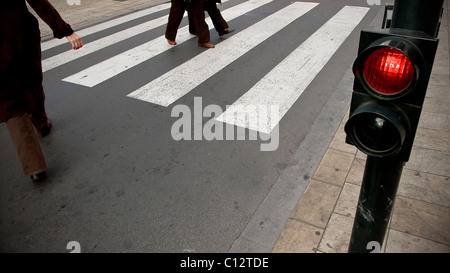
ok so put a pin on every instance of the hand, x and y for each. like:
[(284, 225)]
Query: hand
[(75, 40)]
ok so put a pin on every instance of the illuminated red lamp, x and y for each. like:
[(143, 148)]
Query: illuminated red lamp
[(388, 71)]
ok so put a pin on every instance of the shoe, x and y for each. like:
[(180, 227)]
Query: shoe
[(38, 177), (207, 45), (227, 31), (45, 130), (171, 42)]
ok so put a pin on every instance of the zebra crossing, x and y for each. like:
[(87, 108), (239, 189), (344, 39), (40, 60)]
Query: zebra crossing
[(282, 86), (190, 74), (109, 68), (286, 82)]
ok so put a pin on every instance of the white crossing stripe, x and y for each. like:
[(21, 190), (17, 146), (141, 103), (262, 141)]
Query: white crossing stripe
[(106, 25), (176, 83), (99, 44), (109, 68), (287, 81), (96, 45)]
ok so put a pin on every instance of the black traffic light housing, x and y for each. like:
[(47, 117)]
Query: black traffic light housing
[(385, 124)]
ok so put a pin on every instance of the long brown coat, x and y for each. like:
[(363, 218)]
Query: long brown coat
[(20, 54)]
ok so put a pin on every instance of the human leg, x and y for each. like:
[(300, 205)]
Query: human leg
[(198, 16), (27, 145), (176, 13), (38, 115)]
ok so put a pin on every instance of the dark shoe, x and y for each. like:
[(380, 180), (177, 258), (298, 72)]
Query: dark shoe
[(38, 177), (171, 42), (45, 130), (227, 31), (207, 45)]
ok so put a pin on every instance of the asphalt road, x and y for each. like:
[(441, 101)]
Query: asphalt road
[(120, 182)]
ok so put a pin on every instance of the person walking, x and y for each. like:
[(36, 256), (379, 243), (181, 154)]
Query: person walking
[(21, 91), (218, 21), (177, 9)]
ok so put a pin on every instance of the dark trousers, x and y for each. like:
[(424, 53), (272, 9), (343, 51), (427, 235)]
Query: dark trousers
[(216, 17), (198, 16)]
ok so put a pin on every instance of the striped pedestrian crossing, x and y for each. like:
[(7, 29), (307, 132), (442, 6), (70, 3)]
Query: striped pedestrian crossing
[(107, 69), (106, 25), (280, 87), (176, 83), (68, 56), (286, 82)]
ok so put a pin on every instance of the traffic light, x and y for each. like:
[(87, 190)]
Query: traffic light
[(392, 71)]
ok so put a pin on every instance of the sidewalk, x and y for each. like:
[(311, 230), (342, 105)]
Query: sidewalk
[(323, 218)]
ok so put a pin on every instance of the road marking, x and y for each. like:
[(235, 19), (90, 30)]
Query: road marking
[(71, 55), (109, 68), (109, 24), (96, 45), (179, 81), (286, 82)]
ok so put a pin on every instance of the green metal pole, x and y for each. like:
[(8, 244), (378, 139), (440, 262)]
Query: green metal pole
[(376, 200)]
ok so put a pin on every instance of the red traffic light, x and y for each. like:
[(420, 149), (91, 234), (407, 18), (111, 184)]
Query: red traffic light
[(388, 71), (392, 71)]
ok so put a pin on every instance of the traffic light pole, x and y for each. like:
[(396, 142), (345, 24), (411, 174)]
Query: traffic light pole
[(376, 200), (382, 173), (420, 15)]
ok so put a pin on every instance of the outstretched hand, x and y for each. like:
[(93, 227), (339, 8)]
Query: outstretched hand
[(75, 40)]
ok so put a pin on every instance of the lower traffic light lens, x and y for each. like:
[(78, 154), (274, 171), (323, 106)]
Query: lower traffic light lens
[(376, 134), (376, 129)]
